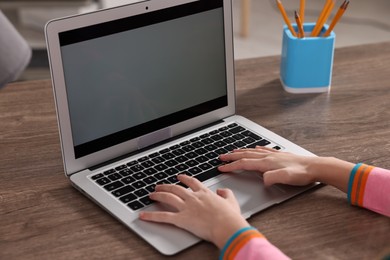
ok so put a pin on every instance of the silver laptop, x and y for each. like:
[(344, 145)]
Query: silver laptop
[(144, 92)]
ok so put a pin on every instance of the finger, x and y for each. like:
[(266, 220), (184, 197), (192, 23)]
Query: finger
[(168, 198), (158, 216), (178, 190), (263, 148), (242, 154), (226, 194), (248, 164), (276, 176), (191, 182)]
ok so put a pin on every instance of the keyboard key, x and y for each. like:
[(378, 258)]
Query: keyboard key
[(240, 144), (191, 155), (135, 205), (122, 191), (139, 184), (139, 175), (103, 181), (97, 176), (237, 129), (128, 180), (181, 159), (173, 179), (108, 172), (204, 135), (174, 147), (192, 163), (127, 198), (232, 125), (197, 144), (168, 156), (211, 155), (217, 137), (150, 188), (147, 164), (205, 166), (215, 162), (251, 134), (146, 200), (207, 141), (160, 176), (249, 140), (188, 148), (136, 168), (181, 167), (120, 167), (201, 151), (171, 163), (262, 142), (150, 171), (166, 150), (153, 155), (195, 139), (201, 159), (194, 170), (178, 152), (161, 167), (114, 176), (158, 160), (125, 172), (171, 171), (149, 180), (185, 143), (207, 174), (141, 192), (131, 163), (143, 159), (113, 186)]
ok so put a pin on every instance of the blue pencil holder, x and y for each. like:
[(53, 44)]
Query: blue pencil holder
[(306, 65)]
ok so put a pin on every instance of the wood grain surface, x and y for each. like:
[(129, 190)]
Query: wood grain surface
[(43, 217)]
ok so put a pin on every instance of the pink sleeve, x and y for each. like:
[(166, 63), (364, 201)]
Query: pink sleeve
[(248, 243), (369, 187)]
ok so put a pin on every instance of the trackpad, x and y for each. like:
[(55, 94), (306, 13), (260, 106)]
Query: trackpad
[(250, 192)]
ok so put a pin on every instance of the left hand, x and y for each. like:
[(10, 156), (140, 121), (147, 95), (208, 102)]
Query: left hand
[(212, 216)]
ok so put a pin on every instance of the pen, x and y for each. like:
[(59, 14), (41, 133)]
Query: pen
[(339, 13), (323, 17), (298, 20), (302, 11), (286, 20)]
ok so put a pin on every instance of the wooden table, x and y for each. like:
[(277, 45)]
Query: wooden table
[(43, 217)]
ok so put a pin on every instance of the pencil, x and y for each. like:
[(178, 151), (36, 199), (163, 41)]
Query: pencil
[(301, 33), (302, 11), (327, 3), (286, 20), (337, 17), (325, 16)]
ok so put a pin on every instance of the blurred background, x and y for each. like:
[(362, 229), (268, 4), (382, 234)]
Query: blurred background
[(364, 22)]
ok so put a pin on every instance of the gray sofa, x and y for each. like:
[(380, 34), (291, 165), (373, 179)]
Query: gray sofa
[(15, 53)]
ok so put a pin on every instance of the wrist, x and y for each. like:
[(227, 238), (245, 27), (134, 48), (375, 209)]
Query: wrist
[(222, 234), (332, 171)]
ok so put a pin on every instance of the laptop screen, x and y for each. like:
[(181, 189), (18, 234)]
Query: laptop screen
[(132, 76)]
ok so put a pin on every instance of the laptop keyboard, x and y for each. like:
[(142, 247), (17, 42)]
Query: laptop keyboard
[(132, 182)]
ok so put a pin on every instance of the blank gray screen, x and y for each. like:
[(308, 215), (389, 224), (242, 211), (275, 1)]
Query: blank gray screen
[(124, 79)]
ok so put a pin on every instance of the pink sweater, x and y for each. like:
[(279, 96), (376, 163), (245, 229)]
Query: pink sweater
[(367, 188)]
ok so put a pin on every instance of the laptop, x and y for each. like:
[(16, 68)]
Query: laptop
[(146, 91)]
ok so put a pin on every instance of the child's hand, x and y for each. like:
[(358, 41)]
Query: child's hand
[(276, 166), (287, 168), (212, 216)]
